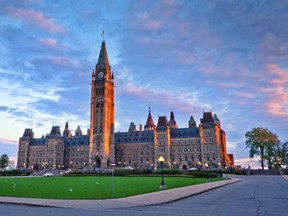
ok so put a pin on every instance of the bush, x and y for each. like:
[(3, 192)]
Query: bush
[(127, 172), (203, 174), (236, 172), (15, 173), (86, 174), (117, 172), (167, 171)]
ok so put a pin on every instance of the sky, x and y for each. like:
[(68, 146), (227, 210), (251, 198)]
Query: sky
[(189, 57)]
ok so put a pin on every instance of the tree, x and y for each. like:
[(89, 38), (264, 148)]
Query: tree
[(4, 161), (261, 142), (282, 153)]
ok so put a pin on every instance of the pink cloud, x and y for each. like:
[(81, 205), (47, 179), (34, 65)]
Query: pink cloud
[(8, 141), (147, 21), (151, 25), (280, 76), (53, 43), (37, 18), (184, 102), (271, 45), (64, 62), (48, 42), (244, 95), (277, 103)]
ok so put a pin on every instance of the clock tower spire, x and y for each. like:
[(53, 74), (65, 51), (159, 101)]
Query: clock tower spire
[(101, 139)]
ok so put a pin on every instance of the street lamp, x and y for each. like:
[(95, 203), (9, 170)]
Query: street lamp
[(206, 165), (113, 185), (161, 161)]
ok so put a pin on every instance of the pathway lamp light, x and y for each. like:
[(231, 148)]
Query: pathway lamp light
[(161, 161)]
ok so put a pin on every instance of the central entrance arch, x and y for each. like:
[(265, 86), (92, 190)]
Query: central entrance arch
[(184, 167), (96, 162)]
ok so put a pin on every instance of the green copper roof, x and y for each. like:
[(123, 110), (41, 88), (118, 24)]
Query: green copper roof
[(215, 118), (192, 120), (103, 57)]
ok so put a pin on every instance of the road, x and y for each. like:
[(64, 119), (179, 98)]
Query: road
[(255, 195)]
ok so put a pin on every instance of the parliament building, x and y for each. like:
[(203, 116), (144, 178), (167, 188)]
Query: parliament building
[(201, 146)]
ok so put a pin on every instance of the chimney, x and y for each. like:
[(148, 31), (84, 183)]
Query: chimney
[(88, 133), (134, 128), (140, 128)]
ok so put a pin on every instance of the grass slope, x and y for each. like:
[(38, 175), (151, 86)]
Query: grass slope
[(92, 187)]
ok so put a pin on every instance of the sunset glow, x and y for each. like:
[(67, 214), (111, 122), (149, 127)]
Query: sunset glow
[(229, 57)]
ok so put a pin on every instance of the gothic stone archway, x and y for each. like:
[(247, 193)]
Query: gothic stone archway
[(96, 162)]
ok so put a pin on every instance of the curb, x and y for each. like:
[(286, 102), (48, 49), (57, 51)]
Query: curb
[(194, 194), (172, 195), (285, 177)]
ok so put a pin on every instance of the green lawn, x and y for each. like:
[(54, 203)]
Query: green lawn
[(92, 187)]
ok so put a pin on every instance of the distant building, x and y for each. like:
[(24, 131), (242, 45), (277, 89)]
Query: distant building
[(230, 162), (202, 146)]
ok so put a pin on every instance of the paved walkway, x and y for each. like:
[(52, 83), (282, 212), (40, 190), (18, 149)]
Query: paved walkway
[(285, 177), (159, 197)]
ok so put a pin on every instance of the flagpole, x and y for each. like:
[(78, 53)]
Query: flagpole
[(102, 35)]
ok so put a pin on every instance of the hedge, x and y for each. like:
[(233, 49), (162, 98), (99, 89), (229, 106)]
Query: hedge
[(15, 173)]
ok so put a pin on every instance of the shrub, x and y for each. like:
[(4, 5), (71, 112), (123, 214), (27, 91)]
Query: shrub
[(236, 172), (15, 173), (126, 172), (167, 171), (117, 172), (203, 174)]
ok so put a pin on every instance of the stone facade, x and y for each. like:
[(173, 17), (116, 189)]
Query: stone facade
[(202, 146)]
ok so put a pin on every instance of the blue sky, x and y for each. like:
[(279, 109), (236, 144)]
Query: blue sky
[(229, 57)]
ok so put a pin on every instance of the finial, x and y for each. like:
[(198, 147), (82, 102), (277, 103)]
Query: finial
[(102, 35)]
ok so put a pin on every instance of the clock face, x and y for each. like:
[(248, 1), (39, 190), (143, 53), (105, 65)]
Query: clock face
[(100, 75)]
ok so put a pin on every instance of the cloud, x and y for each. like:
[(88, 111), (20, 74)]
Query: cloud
[(36, 18), (8, 142), (4, 108), (183, 101), (64, 61), (277, 103), (244, 95), (9, 147), (185, 56), (246, 162), (232, 146), (48, 42)]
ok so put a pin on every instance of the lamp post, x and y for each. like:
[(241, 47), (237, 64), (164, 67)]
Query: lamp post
[(161, 161), (206, 165), (220, 170), (113, 185)]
